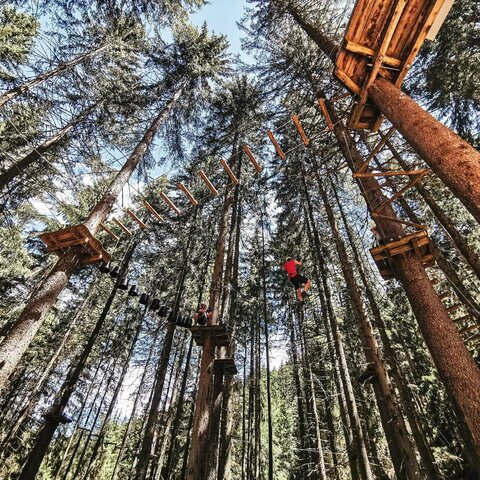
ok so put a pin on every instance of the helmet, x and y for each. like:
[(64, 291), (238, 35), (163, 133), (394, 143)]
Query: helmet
[(288, 259)]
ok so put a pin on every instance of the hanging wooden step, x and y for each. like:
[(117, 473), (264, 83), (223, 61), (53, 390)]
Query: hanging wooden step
[(77, 237), (382, 38), (418, 242), (277, 146), (300, 129), (225, 365), (219, 333)]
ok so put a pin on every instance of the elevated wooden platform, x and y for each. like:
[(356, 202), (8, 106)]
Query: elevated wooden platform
[(382, 38), (419, 242), (225, 365), (220, 334), (80, 238)]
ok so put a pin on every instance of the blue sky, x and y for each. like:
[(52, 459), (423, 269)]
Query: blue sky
[(221, 17)]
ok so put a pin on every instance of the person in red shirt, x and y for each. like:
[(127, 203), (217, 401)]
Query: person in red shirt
[(301, 283)]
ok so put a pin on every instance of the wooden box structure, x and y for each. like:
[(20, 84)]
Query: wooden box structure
[(220, 334), (81, 239), (383, 38), (417, 242), (225, 365)]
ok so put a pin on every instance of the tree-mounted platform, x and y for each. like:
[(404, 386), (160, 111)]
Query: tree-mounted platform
[(79, 238), (225, 365), (383, 38), (219, 333), (418, 242)]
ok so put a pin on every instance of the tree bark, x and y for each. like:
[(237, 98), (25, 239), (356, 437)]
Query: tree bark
[(198, 461), (33, 315), (46, 433), (456, 368), (454, 161)]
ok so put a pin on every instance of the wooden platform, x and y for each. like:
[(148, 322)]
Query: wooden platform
[(419, 242), (220, 334), (79, 237), (225, 365), (382, 38)]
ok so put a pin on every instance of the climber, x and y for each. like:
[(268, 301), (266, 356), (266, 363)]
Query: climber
[(297, 280), (376, 234), (203, 314)]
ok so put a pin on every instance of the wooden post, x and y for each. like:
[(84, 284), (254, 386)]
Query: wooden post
[(323, 107), (186, 191), (257, 166), (278, 148), (136, 219), (152, 211), (123, 227), (297, 123), (169, 203), (229, 171), (208, 183), (106, 229)]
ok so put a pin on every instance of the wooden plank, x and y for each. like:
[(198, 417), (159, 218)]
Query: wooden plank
[(300, 130), (438, 22), (207, 182), (188, 194), (339, 97), (110, 232), (471, 328), (136, 219), (279, 150), (152, 211), (356, 48), (323, 107), (122, 226), (70, 243), (169, 203), (227, 169), (249, 154)]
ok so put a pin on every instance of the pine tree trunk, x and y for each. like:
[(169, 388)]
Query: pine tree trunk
[(38, 80), (197, 461), (454, 161), (401, 450), (33, 315), (46, 433), (161, 371), (355, 437), (302, 431), (21, 165), (454, 363), (428, 460)]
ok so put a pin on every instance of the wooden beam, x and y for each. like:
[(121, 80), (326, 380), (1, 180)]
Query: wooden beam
[(279, 150), (188, 194), (323, 107), (169, 203), (136, 219), (257, 166), (229, 171), (110, 232), (207, 182), (377, 148), (368, 52), (152, 211), (340, 97), (297, 123), (123, 227), (348, 82)]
